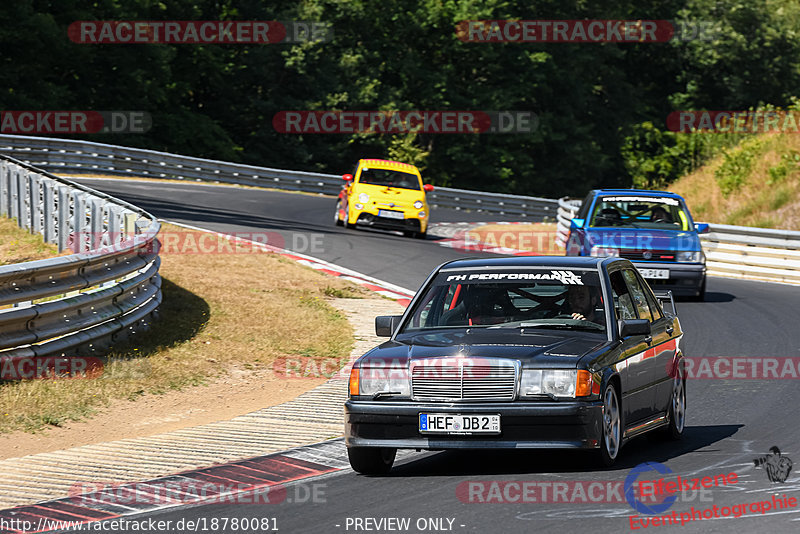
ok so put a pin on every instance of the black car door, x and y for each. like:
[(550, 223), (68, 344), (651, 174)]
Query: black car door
[(637, 372), (665, 345)]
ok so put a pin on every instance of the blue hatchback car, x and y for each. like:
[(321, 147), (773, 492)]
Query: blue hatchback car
[(653, 229)]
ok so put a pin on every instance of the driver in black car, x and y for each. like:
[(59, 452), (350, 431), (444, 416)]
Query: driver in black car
[(583, 301)]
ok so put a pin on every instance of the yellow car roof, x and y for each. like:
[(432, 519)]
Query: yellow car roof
[(387, 164)]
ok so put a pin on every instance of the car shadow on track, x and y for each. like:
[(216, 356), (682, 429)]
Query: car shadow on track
[(710, 297), (519, 461)]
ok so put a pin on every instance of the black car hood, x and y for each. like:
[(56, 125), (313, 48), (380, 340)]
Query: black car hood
[(539, 349)]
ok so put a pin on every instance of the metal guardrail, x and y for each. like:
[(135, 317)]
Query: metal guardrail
[(753, 253), (733, 251), (567, 209), (76, 304), (83, 157)]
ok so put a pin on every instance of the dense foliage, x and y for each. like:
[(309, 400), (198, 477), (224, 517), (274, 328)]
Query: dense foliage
[(602, 107)]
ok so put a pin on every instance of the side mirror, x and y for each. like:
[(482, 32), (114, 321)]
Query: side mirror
[(634, 327), (702, 228), (576, 223), (428, 188), (347, 177), (386, 324)]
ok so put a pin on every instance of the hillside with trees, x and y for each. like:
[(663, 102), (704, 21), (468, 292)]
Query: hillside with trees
[(601, 106)]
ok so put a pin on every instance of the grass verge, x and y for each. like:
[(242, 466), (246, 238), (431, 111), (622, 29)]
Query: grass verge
[(221, 312), (17, 245), (756, 183)]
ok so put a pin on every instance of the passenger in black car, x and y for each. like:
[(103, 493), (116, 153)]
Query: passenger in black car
[(480, 305)]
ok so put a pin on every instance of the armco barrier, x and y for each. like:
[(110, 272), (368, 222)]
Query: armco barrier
[(83, 157), (753, 253), (732, 251), (80, 303), (567, 209)]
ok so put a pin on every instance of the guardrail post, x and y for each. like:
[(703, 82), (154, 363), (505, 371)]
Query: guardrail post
[(5, 186), (78, 221), (96, 223), (114, 224), (13, 202), (129, 224), (35, 202), (49, 211), (23, 219), (62, 223)]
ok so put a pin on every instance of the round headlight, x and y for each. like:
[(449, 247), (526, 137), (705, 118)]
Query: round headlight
[(363, 198), (418, 204)]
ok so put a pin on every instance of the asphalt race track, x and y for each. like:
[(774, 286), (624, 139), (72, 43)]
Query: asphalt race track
[(729, 422)]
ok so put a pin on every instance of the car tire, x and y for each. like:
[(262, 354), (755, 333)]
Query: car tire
[(336, 214), (408, 233), (346, 222), (611, 438), (371, 460), (677, 409), (421, 235)]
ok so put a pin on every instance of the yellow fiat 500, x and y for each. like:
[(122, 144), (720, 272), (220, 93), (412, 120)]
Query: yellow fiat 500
[(384, 194)]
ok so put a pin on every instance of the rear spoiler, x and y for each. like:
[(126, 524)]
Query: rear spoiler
[(665, 297)]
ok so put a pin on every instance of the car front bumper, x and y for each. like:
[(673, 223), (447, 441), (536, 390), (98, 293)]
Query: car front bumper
[(408, 224), (685, 279), (523, 424)]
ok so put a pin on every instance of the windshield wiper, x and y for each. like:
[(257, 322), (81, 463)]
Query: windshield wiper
[(562, 326)]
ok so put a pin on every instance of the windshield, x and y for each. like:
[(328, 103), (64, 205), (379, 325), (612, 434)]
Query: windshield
[(640, 212), (533, 298), (389, 178)]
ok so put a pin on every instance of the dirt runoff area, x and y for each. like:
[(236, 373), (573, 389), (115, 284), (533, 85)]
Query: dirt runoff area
[(238, 393)]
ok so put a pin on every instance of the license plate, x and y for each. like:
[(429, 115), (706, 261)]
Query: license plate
[(656, 274), (389, 214), (446, 423)]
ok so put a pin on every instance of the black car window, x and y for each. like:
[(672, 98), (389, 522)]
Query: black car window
[(652, 301), (528, 298), (637, 293), (623, 303)]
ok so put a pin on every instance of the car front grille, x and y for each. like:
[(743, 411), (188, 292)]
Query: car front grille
[(648, 255), (464, 379)]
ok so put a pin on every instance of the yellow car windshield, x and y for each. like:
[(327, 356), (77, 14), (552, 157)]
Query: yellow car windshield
[(389, 178)]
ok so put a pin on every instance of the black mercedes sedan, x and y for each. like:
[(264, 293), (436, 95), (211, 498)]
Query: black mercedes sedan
[(522, 352)]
